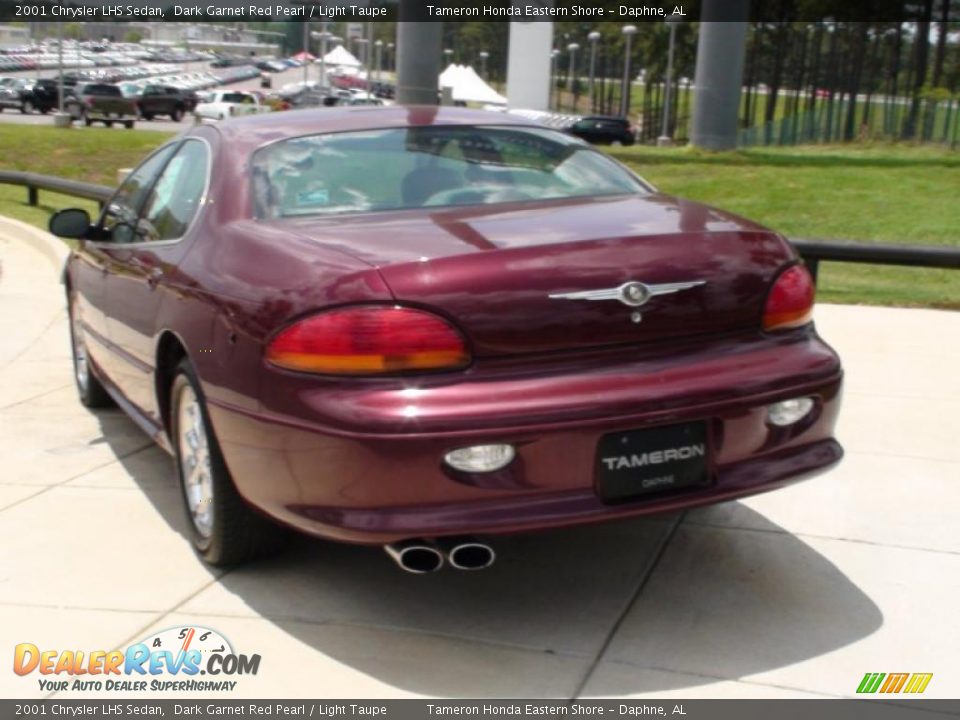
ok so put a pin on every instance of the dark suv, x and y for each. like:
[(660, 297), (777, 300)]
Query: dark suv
[(100, 102), (166, 100), (27, 95), (603, 130)]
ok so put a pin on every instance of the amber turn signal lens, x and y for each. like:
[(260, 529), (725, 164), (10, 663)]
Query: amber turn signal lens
[(790, 302), (369, 340)]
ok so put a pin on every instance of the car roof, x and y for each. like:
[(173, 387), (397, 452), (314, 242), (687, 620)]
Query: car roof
[(252, 131)]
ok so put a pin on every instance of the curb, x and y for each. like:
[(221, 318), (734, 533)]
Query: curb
[(53, 249)]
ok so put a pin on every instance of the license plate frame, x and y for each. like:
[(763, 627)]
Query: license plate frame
[(633, 464)]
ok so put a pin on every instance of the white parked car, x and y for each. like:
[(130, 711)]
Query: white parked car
[(222, 104)]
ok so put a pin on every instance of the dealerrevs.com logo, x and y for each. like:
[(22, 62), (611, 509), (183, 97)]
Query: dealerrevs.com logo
[(178, 659)]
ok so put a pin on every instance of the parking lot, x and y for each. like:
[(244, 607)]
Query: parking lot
[(797, 593), (164, 123)]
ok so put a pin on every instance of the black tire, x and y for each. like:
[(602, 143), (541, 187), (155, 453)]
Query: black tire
[(44, 110), (128, 124), (89, 388), (26, 107), (86, 118), (146, 115), (232, 532), (176, 115), (108, 123)]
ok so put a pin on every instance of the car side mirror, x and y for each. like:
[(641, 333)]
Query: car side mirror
[(70, 223)]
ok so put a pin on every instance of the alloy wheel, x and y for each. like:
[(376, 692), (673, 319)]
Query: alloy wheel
[(194, 457)]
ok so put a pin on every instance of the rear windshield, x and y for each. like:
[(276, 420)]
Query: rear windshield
[(235, 98), (401, 168)]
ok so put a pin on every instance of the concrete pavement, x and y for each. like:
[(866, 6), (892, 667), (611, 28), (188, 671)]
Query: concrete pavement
[(797, 593)]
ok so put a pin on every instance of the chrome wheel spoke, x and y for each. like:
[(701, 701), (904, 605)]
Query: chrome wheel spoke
[(195, 468)]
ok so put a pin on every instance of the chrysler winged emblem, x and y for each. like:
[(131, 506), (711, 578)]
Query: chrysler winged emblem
[(631, 294)]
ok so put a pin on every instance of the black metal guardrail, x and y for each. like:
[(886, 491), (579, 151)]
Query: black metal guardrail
[(34, 183), (816, 251), (813, 251)]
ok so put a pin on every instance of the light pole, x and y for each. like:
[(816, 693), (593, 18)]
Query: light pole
[(572, 73), (629, 31), (483, 63), (448, 55), (379, 57), (322, 36), (60, 66), (391, 58), (553, 75), (665, 137), (306, 52), (594, 38)]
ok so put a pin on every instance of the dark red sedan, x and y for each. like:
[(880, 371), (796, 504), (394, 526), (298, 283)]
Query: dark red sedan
[(424, 327)]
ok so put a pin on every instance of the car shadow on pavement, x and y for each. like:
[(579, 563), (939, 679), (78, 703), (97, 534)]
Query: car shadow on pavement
[(700, 602)]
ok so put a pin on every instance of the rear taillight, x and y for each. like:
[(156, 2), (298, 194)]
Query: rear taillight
[(369, 340), (790, 302)]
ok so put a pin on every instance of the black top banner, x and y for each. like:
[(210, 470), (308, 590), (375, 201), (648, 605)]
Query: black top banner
[(593, 11)]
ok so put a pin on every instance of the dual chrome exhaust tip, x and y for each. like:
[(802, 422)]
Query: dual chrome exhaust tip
[(425, 556)]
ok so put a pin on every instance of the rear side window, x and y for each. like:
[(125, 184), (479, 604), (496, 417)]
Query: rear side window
[(125, 205), (176, 197)]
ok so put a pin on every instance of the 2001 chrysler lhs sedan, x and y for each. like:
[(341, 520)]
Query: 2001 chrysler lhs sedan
[(424, 327)]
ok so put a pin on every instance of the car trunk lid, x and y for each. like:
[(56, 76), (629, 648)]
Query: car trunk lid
[(512, 276)]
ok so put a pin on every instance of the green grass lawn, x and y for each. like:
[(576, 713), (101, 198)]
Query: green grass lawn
[(881, 193), (870, 193)]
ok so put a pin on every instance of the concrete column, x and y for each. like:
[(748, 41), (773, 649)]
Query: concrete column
[(720, 56), (418, 58), (529, 62)]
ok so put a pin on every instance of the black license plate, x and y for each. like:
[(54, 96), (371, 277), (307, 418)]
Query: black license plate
[(642, 462)]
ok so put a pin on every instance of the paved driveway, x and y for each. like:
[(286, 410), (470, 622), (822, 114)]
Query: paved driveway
[(793, 594)]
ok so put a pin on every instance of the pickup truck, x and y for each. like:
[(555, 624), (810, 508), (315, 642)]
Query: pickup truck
[(223, 104), (27, 95), (165, 100), (100, 102)]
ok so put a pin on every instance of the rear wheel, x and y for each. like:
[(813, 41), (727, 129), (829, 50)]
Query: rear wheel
[(224, 530), (108, 123), (91, 391), (146, 115), (26, 107), (128, 124), (176, 115)]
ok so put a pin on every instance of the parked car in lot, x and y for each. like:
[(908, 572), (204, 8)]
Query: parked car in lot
[(604, 130), (27, 95), (223, 104), (426, 327), (100, 102), (166, 100)]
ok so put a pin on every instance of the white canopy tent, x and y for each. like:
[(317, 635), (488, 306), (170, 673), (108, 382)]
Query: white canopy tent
[(341, 57), (467, 86)]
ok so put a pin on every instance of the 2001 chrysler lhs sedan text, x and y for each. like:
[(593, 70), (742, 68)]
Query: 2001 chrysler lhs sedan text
[(423, 327)]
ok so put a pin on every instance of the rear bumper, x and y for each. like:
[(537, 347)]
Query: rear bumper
[(362, 461)]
